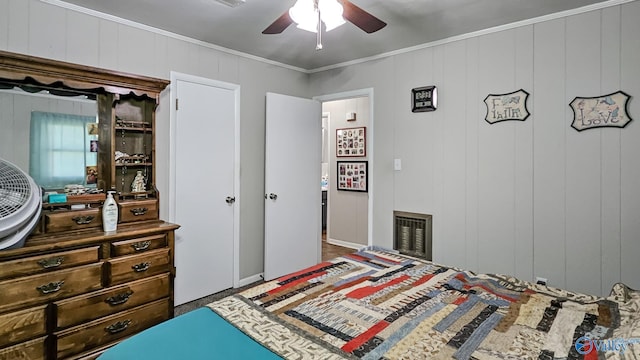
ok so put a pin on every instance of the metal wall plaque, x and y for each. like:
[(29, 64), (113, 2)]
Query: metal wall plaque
[(601, 111), (503, 107), (424, 99)]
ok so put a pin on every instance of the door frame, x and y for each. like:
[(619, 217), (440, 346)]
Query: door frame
[(175, 77), (329, 142), (366, 92)]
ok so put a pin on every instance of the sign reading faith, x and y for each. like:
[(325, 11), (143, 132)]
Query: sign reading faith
[(511, 106), (602, 111)]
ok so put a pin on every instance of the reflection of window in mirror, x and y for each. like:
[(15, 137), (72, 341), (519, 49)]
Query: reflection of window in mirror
[(59, 149), (16, 107)]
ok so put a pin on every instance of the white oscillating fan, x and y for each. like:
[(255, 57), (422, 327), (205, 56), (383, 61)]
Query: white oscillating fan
[(20, 205)]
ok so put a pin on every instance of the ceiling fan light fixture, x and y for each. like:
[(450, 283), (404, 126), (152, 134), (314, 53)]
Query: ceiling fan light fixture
[(331, 13), (311, 14), (305, 14)]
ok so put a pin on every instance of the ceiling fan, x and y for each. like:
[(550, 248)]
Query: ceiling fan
[(309, 14)]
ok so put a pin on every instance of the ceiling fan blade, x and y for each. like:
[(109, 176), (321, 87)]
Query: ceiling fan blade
[(361, 18), (279, 25)]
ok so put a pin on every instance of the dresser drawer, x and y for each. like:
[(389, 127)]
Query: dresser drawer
[(22, 325), (59, 284), (54, 261), (138, 210), (106, 330), (105, 302), (72, 220), (134, 267), (30, 350), (138, 245)]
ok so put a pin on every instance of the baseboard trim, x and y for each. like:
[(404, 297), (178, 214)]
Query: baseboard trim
[(250, 280), (257, 277), (347, 244)]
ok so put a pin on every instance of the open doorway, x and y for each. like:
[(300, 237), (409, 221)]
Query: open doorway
[(347, 223)]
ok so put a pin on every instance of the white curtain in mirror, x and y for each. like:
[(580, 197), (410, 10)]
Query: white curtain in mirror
[(59, 149)]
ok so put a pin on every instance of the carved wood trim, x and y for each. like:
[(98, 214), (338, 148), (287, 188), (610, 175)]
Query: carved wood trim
[(53, 73)]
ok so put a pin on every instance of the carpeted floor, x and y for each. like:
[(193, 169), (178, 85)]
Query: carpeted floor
[(329, 251), (185, 308)]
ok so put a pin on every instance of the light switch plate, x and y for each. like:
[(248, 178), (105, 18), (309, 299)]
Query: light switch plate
[(397, 164)]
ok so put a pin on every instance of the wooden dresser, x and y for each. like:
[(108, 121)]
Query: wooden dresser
[(71, 295), (73, 290)]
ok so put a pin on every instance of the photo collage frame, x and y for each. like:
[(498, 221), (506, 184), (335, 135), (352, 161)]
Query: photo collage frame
[(353, 175), (351, 142)]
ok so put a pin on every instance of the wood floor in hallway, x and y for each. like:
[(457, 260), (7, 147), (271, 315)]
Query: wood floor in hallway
[(330, 251)]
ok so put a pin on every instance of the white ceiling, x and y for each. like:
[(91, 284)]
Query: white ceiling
[(409, 23)]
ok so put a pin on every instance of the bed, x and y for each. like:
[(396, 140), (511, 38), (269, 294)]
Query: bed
[(377, 304)]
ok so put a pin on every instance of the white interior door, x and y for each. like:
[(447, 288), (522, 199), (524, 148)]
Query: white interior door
[(204, 170), (292, 184)]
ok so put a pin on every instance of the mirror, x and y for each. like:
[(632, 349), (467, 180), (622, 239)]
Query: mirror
[(107, 87), (55, 125)]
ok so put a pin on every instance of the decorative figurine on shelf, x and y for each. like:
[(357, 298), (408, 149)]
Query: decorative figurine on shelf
[(138, 184)]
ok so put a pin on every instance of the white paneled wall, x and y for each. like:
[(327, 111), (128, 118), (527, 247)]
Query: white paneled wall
[(523, 167), (610, 78), (532, 198), (583, 164), (629, 148), (549, 132), (452, 194)]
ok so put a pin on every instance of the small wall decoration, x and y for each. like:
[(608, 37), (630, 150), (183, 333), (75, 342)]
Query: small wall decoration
[(503, 107), (601, 111), (93, 146), (92, 129), (424, 99), (351, 142), (352, 175), (92, 175)]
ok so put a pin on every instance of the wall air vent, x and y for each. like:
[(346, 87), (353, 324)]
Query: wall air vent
[(412, 234)]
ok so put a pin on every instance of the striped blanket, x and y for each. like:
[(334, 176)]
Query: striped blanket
[(375, 304)]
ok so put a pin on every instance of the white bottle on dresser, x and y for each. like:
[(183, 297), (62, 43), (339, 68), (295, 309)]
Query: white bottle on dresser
[(110, 213)]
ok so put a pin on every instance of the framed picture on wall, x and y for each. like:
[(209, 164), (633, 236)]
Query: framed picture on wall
[(351, 142), (353, 175)]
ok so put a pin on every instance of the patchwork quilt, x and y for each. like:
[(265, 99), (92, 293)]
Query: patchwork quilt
[(375, 304)]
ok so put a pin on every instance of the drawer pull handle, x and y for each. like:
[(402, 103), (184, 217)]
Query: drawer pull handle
[(118, 327), (119, 299), (141, 246), (83, 220), (139, 211), (50, 287), (51, 262), (141, 267)]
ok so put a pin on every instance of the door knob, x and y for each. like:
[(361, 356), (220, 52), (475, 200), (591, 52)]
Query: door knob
[(273, 196), (230, 199)]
